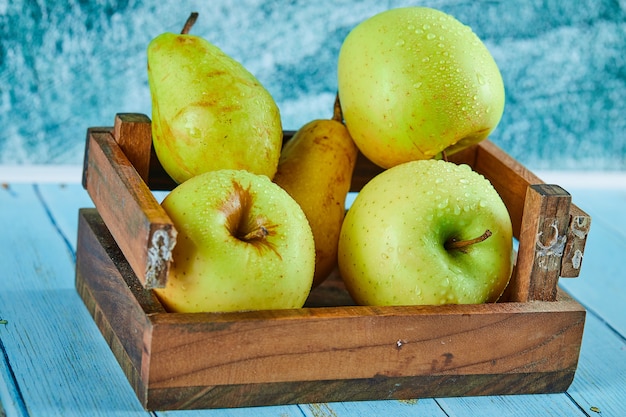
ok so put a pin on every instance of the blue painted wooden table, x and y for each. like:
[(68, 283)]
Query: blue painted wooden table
[(54, 361)]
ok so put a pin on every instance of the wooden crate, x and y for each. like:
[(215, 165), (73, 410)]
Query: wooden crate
[(330, 350)]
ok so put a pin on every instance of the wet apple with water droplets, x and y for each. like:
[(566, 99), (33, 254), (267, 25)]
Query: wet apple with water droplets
[(243, 244), (426, 232), (415, 82)]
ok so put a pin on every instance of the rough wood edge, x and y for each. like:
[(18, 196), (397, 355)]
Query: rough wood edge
[(144, 231), (379, 388), (541, 244), (577, 231)]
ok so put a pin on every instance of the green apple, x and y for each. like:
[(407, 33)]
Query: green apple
[(415, 82), (243, 244), (426, 232)]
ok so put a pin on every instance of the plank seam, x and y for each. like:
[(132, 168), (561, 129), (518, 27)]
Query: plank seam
[(55, 224), (19, 400)]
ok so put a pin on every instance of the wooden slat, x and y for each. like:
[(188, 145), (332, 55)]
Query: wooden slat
[(139, 224), (133, 134), (511, 179), (577, 231), (541, 244)]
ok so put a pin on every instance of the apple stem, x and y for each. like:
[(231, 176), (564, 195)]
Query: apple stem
[(444, 156), (337, 112), (189, 23), (257, 234), (453, 244)]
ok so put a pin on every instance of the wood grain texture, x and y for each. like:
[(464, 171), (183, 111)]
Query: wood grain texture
[(541, 244), (577, 231), (139, 224), (273, 357), (133, 134)]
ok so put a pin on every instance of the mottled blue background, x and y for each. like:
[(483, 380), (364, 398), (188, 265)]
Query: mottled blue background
[(68, 65)]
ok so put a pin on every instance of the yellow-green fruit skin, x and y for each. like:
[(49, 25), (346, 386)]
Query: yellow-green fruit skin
[(208, 111), (392, 243), (215, 271), (315, 168), (414, 82)]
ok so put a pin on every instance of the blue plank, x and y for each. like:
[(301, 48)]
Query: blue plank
[(600, 286), (61, 202), (600, 381), (61, 364), (422, 407), (512, 405)]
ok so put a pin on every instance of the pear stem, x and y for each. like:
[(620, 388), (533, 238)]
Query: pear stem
[(337, 112), (189, 23), (462, 245), (257, 234)]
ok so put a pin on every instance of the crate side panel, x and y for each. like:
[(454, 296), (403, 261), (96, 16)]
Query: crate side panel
[(129, 209), (358, 343), (119, 308), (376, 388)]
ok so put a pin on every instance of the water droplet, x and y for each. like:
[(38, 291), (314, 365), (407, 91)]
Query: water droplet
[(480, 78), (425, 59), (400, 42), (431, 36), (417, 85), (464, 181), (426, 26)]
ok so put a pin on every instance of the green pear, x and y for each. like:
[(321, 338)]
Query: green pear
[(316, 168), (208, 111)]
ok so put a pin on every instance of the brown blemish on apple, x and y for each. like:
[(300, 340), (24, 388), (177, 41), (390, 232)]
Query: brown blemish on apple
[(243, 225)]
